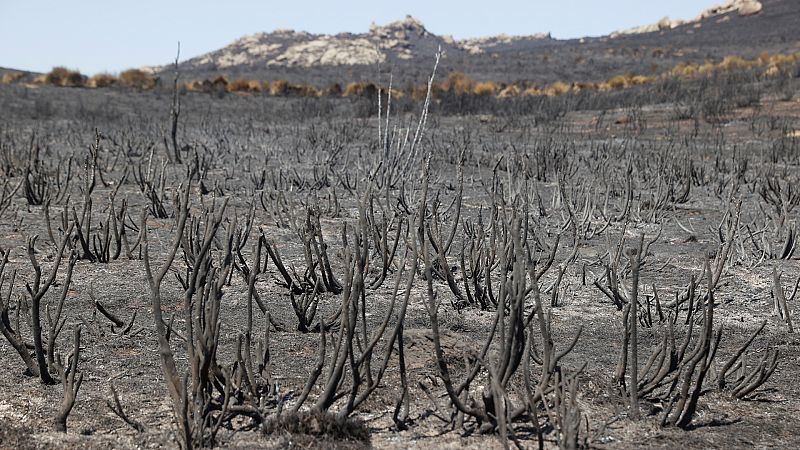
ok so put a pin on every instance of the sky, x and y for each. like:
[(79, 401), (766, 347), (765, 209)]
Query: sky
[(109, 36)]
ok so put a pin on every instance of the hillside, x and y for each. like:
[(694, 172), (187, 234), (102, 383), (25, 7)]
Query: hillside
[(406, 49)]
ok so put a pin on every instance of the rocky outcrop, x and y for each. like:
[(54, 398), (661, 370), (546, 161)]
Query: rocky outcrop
[(483, 44), (400, 40), (301, 49), (664, 24), (404, 39), (743, 7), (330, 51), (401, 30), (750, 8)]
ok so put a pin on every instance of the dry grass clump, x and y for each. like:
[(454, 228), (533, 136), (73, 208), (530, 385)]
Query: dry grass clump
[(625, 81), (244, 86), (784, 60), (55, 76), (584, 86), (102, 80), (639, 80), (137, 79), (197, 86), (619, 81), (533, 91), (774, 63), (258, 85), (706, 68), (485, 88), (304, 90), (63, 77), (689, 70), (239, 85), (459, 84), (684, 70), (772, 71), (360, 89), (557, 88), (279, 87), (220, 82), (734, 62), (11, 77), (510, 91), (333, 90)]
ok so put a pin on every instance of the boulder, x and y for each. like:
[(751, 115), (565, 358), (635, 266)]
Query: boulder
[(750, 8)]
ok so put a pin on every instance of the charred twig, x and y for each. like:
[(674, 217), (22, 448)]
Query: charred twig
[(71, 384)]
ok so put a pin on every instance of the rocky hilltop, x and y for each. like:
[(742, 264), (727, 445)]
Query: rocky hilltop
[(406, 47), (401, 40), (743, 8)]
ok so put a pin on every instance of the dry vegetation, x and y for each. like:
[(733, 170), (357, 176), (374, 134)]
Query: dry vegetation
[(583, 270), (12, 77), (456, 84)]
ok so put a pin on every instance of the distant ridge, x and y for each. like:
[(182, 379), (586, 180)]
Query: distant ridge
[(397, 41), (405, 48)]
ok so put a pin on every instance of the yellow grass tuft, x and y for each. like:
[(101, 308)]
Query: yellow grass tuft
[(510, 91), (61, 76), (279, 87), (101, 80), (198, 86), (239, 85), (533, 91), (137, 79), (333, 90), (12, 77), (557, 88), (360, 89), (734, 62), (459, 84), (485, 89)]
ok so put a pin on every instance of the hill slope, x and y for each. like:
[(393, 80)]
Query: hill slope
[(406, 48)]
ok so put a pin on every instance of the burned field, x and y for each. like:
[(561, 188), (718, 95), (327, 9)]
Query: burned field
[(590, 270)]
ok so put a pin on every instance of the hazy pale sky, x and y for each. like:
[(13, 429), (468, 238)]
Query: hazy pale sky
[(94, 36)]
